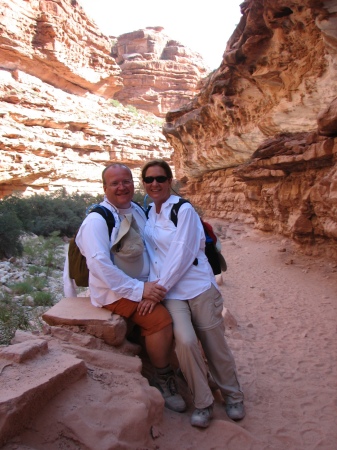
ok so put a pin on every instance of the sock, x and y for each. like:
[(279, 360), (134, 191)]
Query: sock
[(165, 371)]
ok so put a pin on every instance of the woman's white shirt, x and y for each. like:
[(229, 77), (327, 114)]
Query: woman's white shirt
[(172, 251)]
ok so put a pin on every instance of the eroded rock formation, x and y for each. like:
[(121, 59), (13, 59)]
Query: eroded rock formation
[(51, 139), (57, 43), (57, 75), (259, 142), (159, 74), (91, 395)]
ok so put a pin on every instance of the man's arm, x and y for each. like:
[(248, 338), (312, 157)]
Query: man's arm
[(93, 241)]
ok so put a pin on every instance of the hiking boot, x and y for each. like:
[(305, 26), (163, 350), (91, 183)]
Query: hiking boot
[(168, 389), (235, 411), (202, 417)]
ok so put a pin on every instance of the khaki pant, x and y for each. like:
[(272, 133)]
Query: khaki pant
[(200, 318)]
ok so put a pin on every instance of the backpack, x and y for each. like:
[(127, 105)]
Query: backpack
[(78, 269), (215, 258)]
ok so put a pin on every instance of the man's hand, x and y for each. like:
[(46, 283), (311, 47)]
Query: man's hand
[(146, 306), (153, 291)]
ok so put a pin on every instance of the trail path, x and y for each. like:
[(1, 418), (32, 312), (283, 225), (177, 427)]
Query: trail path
[(285, 347), (283, 336)]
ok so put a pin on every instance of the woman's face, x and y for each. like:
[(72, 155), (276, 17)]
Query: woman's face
[(157, 188)]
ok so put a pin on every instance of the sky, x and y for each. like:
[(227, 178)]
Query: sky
[(204, 27)]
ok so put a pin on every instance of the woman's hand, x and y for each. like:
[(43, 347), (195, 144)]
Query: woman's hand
[(153, 291), (146, 306)]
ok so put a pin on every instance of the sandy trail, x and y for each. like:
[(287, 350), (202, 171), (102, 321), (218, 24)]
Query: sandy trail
[(285, 347)]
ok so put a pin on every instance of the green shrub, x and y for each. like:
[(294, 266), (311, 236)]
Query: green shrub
[(42, 215), (38, 283), (47, 253), (132, 109), (10, 230), (43, 298), (115, 103), (12, 318), (35, 270), (21, 287)]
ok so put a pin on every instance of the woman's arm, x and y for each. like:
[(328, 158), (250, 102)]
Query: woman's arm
[(184, 247)]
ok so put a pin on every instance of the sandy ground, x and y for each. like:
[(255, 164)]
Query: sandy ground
[(285, 347)]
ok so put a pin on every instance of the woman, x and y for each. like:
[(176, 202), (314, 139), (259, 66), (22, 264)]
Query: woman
[(178, 261)]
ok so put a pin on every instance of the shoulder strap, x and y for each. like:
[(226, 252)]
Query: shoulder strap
[(175, 209), (147, 210), (107, 215)]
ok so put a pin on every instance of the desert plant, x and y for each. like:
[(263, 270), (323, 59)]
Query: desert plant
[(38, 283), (21, 287), (43, 298), (42, 214), (115, 103), (10, 230), (46, 253), (132, 109), (12, 317), (35, 270)]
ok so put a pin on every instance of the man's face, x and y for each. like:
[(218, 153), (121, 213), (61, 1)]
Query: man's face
[(119, 187)]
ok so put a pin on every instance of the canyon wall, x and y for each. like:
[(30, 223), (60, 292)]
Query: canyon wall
[(259, 143), (60, 122), (256, 144), (159, 73)]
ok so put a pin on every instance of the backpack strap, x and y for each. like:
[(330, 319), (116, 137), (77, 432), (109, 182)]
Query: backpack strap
[(147, 210), (107, 215), (175, 209), (174, 217)]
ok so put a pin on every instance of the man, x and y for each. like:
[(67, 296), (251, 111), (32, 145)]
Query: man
[(111, 288)]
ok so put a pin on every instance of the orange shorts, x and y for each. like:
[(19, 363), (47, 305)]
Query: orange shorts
[(149, 324)]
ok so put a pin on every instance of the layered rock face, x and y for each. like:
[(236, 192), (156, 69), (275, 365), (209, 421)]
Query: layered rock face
[(52, 140), (57, 43), (58, 128), (259, 142), (159, 74)]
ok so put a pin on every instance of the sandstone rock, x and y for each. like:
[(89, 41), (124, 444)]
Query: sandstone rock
[(159, 74), (52, 140), (327, 120), (58, 44), (24, 351), (248, 148), (27, 388), (98, 322), (81, 396), (59, 128)]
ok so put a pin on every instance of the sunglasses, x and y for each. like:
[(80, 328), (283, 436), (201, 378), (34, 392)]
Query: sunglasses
[(160, 179)]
